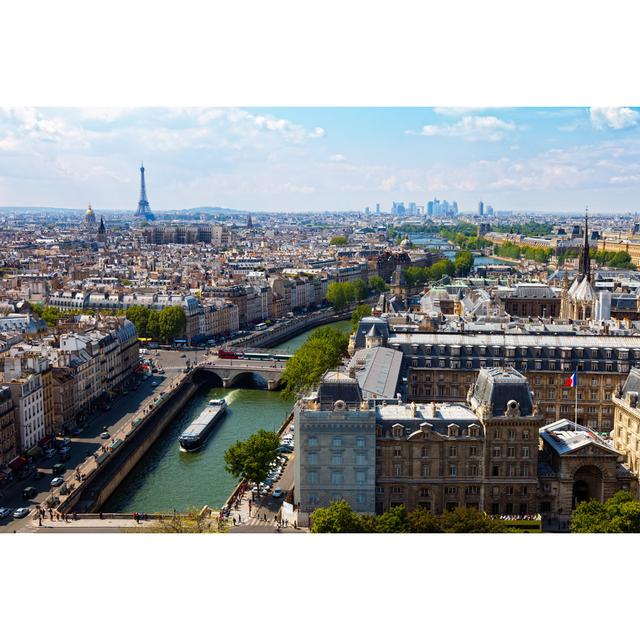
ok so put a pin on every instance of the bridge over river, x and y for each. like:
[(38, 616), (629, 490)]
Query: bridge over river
[(232, 371)]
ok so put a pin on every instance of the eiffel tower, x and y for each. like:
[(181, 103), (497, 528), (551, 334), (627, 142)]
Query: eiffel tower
[(144, 210)]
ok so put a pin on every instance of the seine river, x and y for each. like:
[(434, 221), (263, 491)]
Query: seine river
[(167, 479)]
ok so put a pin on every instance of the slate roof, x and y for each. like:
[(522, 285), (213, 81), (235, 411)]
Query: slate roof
[(497, 386)]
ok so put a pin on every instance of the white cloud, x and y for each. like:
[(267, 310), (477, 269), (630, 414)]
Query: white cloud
[(318, 132), (634, 179), (472, 128), (613, 117), (337, 157), (388, 183)]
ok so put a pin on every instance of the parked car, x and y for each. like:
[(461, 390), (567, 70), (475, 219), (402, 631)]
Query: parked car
[(65, 450), (21, 512), (29, 492), (57, 481), (38, 475), (183, 355), (154, 384), (105, 435), (278, 492), (4, 512), (58, 469), (49, 453)]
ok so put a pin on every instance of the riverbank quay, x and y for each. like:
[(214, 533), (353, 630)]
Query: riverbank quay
[(101, 473)]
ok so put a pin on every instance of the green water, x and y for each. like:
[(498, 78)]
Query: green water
[(167, 479)]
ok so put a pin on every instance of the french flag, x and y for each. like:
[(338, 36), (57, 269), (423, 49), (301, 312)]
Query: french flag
[(572, 380)]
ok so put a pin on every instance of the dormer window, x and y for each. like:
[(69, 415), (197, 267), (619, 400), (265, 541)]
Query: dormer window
[(397, 430)]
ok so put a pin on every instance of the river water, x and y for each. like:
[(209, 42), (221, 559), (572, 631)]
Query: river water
[(167, 479)]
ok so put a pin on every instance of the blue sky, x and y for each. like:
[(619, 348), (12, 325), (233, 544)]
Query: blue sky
[(292, 159)]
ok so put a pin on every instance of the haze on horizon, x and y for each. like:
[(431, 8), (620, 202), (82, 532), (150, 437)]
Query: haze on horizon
[(315, 159)]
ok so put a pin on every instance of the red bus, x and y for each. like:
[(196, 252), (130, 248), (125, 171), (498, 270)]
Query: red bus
[(228, 355)]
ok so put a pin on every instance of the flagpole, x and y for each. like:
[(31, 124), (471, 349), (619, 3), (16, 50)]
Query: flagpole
[(576, 411)]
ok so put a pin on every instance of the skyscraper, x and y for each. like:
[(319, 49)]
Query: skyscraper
[(378, 208), (144, 210), (480, 208)]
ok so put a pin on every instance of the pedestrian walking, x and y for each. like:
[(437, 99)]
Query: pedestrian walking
[(234, 521)]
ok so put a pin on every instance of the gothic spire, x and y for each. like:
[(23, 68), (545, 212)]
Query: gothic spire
[(585, 258)]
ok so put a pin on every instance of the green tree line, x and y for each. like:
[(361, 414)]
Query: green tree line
[(511, 250), (164, 325), (339, 517), (614, 259)]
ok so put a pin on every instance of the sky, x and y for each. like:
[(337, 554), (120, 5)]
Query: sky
[(315, 159)]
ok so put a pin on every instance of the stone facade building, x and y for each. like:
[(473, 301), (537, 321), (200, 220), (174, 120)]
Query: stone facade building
[(7, 427)]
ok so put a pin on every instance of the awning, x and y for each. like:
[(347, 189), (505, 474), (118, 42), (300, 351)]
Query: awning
[(17, 463)]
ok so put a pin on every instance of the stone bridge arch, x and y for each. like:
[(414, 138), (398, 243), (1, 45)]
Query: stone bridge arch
[(271, 379)]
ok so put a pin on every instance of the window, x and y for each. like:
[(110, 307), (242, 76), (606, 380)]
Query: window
[(397, 470), (397, 452), (312, 458), (336, 442), (450, 491), (472, 490), (425, 451), (425, 470), (495, 509), (495, 470), (313, 499), (397, 490), (473, 469), (496, 433), (424, 493), (525, 434), (525, 452), (361, 477), (453, 452), (360, 442), (380, 490), (360, 498), (336, 477), (312, 441), (497, 452), (453, 470), (336, 458), (361, 458), (312, 477), (511, 452), (512, 434)]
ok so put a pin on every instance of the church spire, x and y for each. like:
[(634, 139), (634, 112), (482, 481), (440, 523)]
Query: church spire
[(585, 258)]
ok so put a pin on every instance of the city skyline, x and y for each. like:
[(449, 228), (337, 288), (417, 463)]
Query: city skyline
[(313, 159)]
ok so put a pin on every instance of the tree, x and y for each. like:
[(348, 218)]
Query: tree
[(153, 325), (338, 517), (339, 241), (360, 289), (359, 312), (377, 284), (469, 520), (50, 315), (393, 521), (251, 459), (339, 294), (463, 263), (323, 350), (423, 521), (619, 514), (139, 315), (172, 323)]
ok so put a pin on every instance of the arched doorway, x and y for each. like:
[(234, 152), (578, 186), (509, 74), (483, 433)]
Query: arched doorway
[(587, 484)]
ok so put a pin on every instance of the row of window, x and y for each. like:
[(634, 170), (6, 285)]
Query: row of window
[(337, 442), (337, 477), (336, 458)]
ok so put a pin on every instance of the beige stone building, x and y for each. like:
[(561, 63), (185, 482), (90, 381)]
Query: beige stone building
[(626, 420)]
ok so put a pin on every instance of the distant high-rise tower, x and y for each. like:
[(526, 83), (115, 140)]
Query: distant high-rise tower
[(480, 208), (144, 210), (249, 222), (378, 208)]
